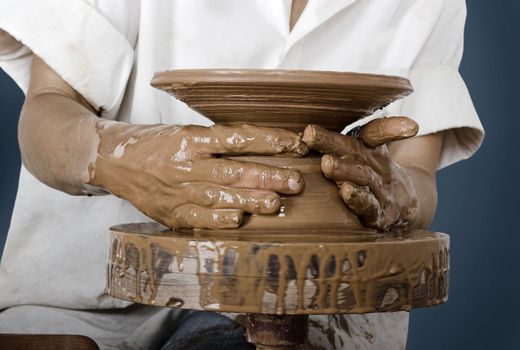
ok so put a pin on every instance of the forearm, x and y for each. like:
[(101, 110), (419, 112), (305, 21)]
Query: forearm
[(58, 140), (425, 187), (419, 156), (62, 139), (57, 132)]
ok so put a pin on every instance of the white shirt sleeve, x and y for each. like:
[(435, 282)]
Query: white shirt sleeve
[(75, 39), (441, 100)]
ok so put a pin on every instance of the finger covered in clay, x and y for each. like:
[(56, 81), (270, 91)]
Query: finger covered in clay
[(169, 169), (383, 130), (363, 203), (341, 170), (222, 197), (325, 141), (194, 216), (245, 139), (232, 173)]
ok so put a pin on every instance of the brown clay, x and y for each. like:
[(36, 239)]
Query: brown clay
[(375, 187), (282, 98), (384, 130), (171, 173), (274, 273), (316, 207), (313, 257)]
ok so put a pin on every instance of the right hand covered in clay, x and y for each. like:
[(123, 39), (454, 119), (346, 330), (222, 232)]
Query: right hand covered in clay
[(173, 173), (375, 187)]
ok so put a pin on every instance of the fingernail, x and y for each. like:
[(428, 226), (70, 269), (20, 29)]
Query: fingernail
[(233, 218), (409, 127), (346, 191), (327, 164), (270, 202), (309, 134), (295, 182)]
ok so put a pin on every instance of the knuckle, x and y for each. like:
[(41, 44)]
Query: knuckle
[(380, 152), (227, 174), (381, 223), (233, 137), (268, 179), (210, 195), (226, 219), (186, 216), (373, 178), (191, 217), (264, 178)]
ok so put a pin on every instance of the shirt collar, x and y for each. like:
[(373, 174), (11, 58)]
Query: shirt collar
[(316, 13)]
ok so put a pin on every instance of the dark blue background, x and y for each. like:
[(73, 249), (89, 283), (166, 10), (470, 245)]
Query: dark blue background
[(477, 198)]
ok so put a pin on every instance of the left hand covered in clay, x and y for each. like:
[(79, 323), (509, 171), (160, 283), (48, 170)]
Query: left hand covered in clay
[(379, 191)]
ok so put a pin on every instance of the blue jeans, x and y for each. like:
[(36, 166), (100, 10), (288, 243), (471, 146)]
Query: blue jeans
[(200, 330)]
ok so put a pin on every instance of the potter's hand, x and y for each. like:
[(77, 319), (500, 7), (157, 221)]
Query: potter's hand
[(371, 184), (65, 145), (172, 174)]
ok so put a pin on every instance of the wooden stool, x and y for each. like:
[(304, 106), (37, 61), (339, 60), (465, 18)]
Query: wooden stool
[(46, 342)]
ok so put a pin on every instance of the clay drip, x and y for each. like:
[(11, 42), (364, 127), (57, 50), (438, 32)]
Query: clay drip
[(387, 273)]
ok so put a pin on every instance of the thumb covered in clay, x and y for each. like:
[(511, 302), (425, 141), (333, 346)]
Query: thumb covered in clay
[(384, 130)]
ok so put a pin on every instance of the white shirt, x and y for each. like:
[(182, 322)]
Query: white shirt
[(56, 251)]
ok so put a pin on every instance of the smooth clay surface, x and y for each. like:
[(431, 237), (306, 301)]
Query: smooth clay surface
[(316, 207), (265, 272), (283, 98)]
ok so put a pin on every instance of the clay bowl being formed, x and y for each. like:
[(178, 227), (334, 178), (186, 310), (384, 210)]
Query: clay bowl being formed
[(291, 100), (282, 98)]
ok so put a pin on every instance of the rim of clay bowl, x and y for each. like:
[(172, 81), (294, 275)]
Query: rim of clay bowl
[(180, 78)]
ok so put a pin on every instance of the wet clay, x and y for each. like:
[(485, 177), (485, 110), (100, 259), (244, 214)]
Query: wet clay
[(282, 98), (173, 175), (293, 99), (316, 207), (312, 256), (384, 130), (266, 272), (375, 187)]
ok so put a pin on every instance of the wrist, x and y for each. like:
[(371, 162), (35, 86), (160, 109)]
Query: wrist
[(104, 169), (424, 189), (126, 153)]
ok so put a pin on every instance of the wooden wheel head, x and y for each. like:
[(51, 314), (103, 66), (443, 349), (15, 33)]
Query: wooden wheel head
[(268, 272)]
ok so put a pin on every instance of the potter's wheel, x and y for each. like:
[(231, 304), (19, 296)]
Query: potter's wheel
[(261, 272), (312, 258)]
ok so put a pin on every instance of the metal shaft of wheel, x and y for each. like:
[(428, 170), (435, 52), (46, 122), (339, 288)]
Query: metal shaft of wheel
[(277, 332)]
